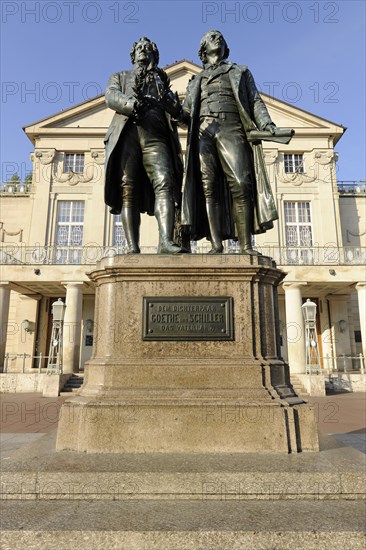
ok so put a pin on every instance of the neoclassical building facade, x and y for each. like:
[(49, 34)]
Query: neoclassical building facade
[(54, 231)]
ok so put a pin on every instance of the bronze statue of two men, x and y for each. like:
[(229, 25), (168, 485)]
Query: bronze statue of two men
[(226, 193)]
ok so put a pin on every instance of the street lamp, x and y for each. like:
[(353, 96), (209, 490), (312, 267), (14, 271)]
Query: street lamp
[(55, 353), (311, 338)]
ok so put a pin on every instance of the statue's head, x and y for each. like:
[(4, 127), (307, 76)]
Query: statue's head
[(213, 42), (145, 52)]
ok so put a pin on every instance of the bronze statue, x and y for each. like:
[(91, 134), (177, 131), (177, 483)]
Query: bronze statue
[(143, 169), (222, 107)]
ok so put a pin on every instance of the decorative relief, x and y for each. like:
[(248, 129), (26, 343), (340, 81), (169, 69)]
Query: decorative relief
[(45, 156), (4, 233), (73, 178), (270, 157), (296, 178), (98, 155), (325, 157), (92, 170)]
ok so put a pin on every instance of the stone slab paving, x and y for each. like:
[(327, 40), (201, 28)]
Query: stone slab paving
[(29, 413), (355, 440), (10, 442), (37, 471), (343, 416), (183, 525)]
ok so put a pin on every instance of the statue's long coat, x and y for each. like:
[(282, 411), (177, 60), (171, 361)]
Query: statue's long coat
[(119, 90), (254, 115)]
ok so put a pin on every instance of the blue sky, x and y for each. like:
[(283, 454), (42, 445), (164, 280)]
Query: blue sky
[(57, 53)]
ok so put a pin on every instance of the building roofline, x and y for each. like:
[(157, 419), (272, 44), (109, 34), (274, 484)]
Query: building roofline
[(200, 68), (182, 61), (304, 110), (62, 111)]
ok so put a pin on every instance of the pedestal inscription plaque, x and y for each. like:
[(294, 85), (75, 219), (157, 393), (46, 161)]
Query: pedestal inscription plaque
[(188, 318)]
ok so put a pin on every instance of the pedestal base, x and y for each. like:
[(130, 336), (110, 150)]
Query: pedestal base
[(170, 426), (199, 394)]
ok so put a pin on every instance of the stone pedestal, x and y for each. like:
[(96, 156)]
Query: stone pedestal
[(208, 396)]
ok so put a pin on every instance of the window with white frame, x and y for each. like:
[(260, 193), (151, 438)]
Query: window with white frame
[(299, 231), (294, 163), (69, 231), (119, 237), (74, 162)]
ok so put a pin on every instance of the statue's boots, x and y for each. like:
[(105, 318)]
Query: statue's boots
[(243, 218), (131, 226), (164, 213), (214, 221)]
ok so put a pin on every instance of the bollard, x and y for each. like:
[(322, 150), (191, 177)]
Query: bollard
[(23, 363), (6, 363), (362, 364), (344, 363)]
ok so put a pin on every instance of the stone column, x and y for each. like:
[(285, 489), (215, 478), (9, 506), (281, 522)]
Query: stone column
[(361, 294), (4, 316), (295, 327), (27, 308), (342, 341), (72, 327)]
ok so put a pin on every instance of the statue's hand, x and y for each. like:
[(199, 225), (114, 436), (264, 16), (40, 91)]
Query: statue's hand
[(128, 107), (142, 106), (271, 127), (172, 105)]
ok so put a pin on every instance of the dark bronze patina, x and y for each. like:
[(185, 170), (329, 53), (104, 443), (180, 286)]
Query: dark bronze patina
[(143, 169), (226, 182), (188, 318)]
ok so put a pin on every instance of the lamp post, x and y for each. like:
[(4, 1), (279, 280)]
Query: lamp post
[(55, 354), (311, 339)]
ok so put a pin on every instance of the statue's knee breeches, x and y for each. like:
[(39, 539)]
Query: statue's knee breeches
[(162, 185), (241, 191), (129, 189), (210, 189), (159, 169)]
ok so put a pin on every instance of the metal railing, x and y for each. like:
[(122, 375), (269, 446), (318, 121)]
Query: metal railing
[(352, 187), (36, 362), (15, 188), (315, 255), (339, 364), (12, 356), (13, 254), (344, 363), (345, 187)]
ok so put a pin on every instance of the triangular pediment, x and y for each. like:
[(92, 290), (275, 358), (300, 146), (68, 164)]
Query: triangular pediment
[(94, 115), (180, 74), (294, 117)]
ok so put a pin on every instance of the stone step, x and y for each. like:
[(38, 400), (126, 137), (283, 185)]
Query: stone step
[(38, 472), (298, 387), (155, 525), (73, 384)]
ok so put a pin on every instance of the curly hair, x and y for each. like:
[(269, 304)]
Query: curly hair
[(202, 49), (154, 47)]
